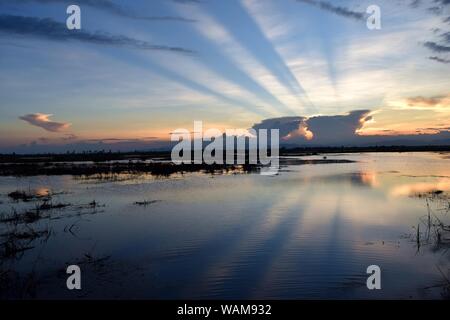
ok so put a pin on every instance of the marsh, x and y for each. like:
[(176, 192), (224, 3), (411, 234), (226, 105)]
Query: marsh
[(309, 232)]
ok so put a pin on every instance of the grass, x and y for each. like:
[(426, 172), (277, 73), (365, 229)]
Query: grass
[(18, 240), (48, 205), (11, 217), (435, 224), (435, 232)]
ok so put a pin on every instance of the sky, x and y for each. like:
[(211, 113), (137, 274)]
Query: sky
[(138, 70)]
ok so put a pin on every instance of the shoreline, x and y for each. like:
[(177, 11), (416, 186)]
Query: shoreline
[(102, 156)]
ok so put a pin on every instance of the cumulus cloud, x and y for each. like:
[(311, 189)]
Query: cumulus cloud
[(339, 10), (343, 130), (286, 125), (318, 129), (333, 129), (50, 29), (289, 127), (43, 121)]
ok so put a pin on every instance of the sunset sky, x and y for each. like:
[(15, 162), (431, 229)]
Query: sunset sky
[(141, 69)]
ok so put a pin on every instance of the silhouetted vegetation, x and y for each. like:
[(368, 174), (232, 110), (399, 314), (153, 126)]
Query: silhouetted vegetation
[(433, 231), (102, 156), (109, 171)]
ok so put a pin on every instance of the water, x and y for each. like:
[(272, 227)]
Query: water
[(308, 233)]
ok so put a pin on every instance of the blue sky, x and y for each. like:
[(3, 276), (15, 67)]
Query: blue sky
[(228, 63)]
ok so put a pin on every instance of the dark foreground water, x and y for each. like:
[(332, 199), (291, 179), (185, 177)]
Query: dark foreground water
[(309, 232)]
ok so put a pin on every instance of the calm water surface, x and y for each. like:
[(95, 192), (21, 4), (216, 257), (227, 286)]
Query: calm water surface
[(309, 232)]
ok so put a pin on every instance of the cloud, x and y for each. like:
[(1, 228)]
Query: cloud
[(69, 137), (436, 4), (446, 37), (286, 125), (437, 7), (118, 140), (442, 60), (110, 7), (443, 2), (433, 46), (188, 1), (333, 129), (429, 102), (50, 29), (415, 3), (343, 130), (341, 11), (436, 10), (319, 129), (43, 121)]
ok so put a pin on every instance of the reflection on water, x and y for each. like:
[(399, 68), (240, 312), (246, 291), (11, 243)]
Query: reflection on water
[(362, 179), (309, 232), (411, 189)]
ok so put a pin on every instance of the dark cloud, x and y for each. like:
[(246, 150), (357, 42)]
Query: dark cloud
[(341, 11), (332, 129), (53, 30), (320, 129), (446, 37), (438, 6), (43, 140), (188, 1), (110, 7), (442, 2), (69, 137), (342, 130), (428, 101), (116, 140), (436, 45), (441, 60), (433, 46), (43, 121), (415, 3), (424, 100), (286, 125), (436, 10), (437, 129)]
